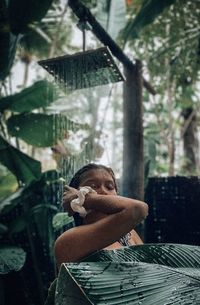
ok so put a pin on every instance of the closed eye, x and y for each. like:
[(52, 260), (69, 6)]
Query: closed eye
[(110, 186), (93, 186)]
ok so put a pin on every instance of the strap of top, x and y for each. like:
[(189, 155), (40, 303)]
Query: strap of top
[(124, 240)]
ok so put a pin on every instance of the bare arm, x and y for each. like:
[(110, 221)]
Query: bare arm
[(123, 215)]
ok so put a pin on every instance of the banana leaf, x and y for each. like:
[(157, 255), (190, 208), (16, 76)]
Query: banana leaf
[(172, 255), (3, 229), (16, 16), (8, 46), (151, 274), (8, 184), (18, 225), (22, 13), (11, 259), (60, 220), (111, 16), (42, 215), (42, 189), (25, 168), (127, 283), (8, 41), (40, 94), (11, 201), (41, 130)]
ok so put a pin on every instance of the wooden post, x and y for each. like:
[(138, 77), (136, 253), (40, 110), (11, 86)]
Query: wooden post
[(133, 156), (133, 146)]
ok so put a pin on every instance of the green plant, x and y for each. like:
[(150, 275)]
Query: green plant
[(27, 213), (11, 259), (151, 274)]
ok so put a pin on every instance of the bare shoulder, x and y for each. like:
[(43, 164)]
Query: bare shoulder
[(73, 244), (78, 242)]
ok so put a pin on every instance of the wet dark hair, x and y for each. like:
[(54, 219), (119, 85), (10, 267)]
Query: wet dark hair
[(76, 180)]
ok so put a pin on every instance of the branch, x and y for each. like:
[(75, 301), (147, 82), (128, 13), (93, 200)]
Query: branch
[(187, 122), (54, 43), (40, 32)]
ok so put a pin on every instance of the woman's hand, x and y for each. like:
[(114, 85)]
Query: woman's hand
[(69, 194)]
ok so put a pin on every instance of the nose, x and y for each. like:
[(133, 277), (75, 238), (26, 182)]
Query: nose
[(102, 190)]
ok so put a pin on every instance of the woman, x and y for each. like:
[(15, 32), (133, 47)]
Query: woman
[(107, 220)]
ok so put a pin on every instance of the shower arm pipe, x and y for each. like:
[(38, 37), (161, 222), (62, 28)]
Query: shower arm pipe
[(83, 13)]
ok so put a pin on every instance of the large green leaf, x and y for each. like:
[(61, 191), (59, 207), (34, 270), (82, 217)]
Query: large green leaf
[(16, 15), (40, 129), (40, 94), (3, 229), (144, 274), (42, 215), (172, 255), (8, 45), (149, 11), (61, 220), (11, 259), (127, 283), (43, 189), (8, 183), (8, 41), (112, 16), (25, 168), (18, 225), (22, 13), (11, 201)]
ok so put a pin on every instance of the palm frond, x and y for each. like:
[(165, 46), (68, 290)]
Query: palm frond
[(127, 283), (172, 255), (150, 274)]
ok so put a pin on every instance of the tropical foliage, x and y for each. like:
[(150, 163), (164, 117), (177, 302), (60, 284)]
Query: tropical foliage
[(165, 36), (13, 25), (29, 197), (147, 274), (12, 259), (169, 50)]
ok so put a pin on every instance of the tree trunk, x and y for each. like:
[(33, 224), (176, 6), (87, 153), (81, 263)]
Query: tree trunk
[(133, 150), (171, 144), (133, 159), (190, 142)]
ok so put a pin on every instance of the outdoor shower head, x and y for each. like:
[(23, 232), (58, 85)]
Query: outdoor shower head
[(84, 69)]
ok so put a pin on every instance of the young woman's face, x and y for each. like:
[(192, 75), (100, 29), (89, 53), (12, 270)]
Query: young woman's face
[(99, 180)]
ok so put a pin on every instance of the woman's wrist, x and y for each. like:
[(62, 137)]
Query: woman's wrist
[(77, 204)]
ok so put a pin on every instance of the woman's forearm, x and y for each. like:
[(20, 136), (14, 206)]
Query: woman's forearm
[(80, 241), (111, 204)]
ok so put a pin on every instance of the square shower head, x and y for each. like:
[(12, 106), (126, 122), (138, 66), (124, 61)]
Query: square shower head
[(84, 69)]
